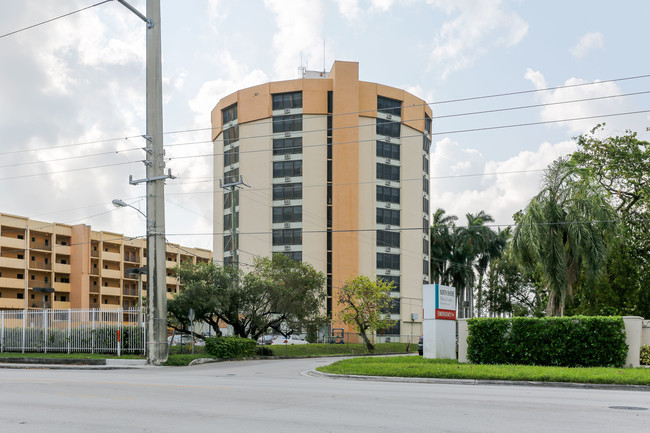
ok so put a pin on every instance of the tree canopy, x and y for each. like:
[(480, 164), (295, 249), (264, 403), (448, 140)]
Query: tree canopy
[(363, 303), (563, 231), (278, 293)]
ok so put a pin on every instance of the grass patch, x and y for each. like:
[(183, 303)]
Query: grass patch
[(76, 355), (181, 360), (321, 349), (450, 369)]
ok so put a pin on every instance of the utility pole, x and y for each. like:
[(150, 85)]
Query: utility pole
[(155, 180), (232, 187)]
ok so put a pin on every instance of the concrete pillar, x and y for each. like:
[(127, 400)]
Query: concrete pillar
[(633, 329), (463, 332)]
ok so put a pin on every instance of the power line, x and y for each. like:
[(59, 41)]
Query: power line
[(372, 111), (53, 19)]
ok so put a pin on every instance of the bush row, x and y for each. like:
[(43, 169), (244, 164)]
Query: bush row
[(230, 347), (553, 341)]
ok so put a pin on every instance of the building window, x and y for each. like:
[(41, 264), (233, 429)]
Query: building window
[(425, 205), (387, 239), (227, 221), (291, 122), (389, 106), (425, 185), (287, 191), (388, 128), (287, 168), (229, 113), (285, 146), (230, 135), (19, 296), (287, 237), (387, 216), (425, 164), (393, 330), (390, 279), (287, 214), (394, 307), (19, 276), (425, 246), (230, 157), (227, 204), (388, 150), (283, 101), (296, 256), (427, 123), (425, 267), (426, 145), (387, 261), (387, 194), (388, 172), (231, 176)]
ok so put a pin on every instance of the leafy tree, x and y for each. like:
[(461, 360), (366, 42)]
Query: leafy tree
[(621, 166), (278, 293), (511, 290), (563, 231), (362, 302)]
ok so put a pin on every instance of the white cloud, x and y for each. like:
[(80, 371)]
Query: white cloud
[(382, 5), (586, 108), (478, 27), (500, 195), (587, 43), (349, 9), (238, 76), (299, 34)]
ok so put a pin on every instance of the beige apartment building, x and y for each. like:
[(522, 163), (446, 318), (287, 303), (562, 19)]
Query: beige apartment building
[(72, 266), (336, 174)]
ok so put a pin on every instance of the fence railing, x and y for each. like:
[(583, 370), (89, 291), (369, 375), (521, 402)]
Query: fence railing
[(69, 331)]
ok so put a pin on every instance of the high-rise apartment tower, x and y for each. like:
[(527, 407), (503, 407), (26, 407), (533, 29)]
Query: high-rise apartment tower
[(337, 175)]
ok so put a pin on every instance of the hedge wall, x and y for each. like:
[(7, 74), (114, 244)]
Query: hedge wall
[(230, 347), (578, 341)]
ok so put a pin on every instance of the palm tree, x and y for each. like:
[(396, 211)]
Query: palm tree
[(441, 244), (563, 230), (493, 249)]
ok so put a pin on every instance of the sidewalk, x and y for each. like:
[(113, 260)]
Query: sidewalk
[(71, 363)]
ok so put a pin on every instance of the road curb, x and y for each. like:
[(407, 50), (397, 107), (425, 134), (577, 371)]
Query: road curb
[(603, 386)]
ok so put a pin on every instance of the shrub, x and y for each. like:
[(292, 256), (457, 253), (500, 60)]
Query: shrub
[(553, 341), (230, 347), (264, 351), (645, 355)]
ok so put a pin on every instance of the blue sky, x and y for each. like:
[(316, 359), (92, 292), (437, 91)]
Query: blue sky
[(80, 79)]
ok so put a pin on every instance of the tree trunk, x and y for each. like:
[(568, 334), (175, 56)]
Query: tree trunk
[(369, 345)]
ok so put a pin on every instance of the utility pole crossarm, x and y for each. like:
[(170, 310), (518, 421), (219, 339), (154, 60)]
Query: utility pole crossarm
[(138, 13)]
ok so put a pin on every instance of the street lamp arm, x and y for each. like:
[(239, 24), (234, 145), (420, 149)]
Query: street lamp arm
[(119, 203)]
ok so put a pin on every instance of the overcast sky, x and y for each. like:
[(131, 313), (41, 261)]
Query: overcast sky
[(72, 92)]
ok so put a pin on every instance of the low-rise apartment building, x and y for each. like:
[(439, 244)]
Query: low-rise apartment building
[(72, 266)]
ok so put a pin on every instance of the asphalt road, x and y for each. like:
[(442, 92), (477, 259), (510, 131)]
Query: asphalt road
[(278, 396)]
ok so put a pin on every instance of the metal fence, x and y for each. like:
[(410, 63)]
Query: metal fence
[(69, 331)]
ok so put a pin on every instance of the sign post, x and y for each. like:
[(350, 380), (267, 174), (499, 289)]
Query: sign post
[(439, 325)]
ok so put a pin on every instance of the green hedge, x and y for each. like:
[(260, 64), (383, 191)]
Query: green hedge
[(553, 341), (230, 347)]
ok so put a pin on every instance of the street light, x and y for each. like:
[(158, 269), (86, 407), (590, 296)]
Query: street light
[(143, 270), (119, 203)]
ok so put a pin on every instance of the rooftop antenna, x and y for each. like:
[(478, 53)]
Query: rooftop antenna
[(323, 55), (301, 68)]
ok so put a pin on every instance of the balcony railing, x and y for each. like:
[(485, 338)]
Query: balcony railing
[(40, 246), (40, 265)]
